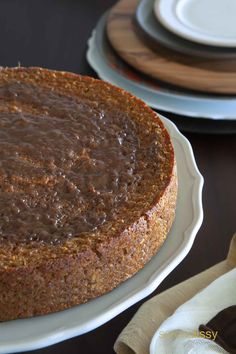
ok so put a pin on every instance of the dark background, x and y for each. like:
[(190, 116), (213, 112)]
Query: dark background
[(54, 34)]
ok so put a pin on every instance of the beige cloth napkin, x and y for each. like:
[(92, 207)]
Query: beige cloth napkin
[(137, 335)]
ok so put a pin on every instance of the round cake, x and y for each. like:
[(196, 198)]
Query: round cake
[(88, 189)]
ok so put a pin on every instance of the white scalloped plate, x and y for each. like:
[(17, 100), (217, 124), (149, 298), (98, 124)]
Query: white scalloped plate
[(42, 331)]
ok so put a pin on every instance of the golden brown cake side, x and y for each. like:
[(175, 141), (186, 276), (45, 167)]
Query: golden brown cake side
[(71, 280), (39, 278)]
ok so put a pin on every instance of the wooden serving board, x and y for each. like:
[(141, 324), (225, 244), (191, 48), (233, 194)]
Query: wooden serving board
[(202, 74)]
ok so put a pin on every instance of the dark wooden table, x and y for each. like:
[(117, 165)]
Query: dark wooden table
[(53, 34)]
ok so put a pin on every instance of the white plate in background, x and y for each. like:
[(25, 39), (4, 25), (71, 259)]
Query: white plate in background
[(42, 331), (159, 96), (210, 22), (156, 33)]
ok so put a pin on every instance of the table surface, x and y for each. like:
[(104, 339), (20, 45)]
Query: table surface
[(54, 34)]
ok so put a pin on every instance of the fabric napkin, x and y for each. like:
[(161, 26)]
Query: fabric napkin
[(180, 334), (137, 335)]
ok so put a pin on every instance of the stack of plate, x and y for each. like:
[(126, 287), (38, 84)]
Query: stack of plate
[(179, 56)]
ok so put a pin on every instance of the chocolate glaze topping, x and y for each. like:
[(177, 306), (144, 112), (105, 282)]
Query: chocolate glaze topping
[(65, 165)]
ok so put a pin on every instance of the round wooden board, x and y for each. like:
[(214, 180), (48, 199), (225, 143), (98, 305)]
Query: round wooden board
[(207, 75)]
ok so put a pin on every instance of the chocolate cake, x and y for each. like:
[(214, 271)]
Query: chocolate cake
[(87, 189)]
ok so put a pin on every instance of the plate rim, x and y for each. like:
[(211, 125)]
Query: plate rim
[(149, 285), (165, 10)]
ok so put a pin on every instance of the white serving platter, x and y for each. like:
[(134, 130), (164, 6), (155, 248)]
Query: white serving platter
[(42, 331)]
